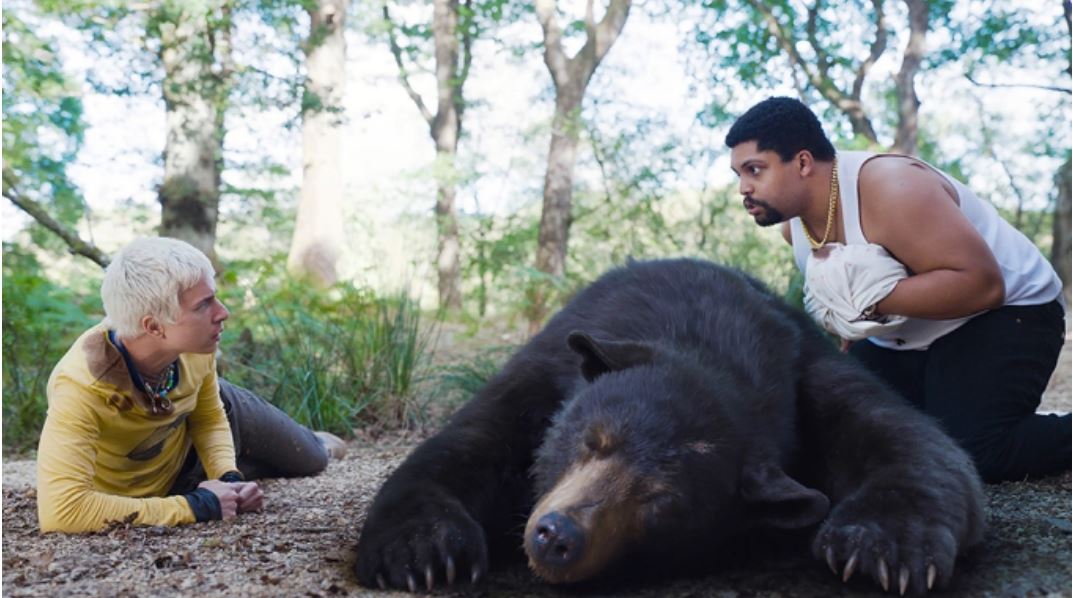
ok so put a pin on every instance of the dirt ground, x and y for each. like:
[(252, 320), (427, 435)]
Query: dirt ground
[(301, 545)]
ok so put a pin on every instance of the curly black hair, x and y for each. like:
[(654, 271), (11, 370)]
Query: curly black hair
[(783, 125)]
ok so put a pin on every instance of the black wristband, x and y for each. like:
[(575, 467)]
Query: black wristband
[(233, 476), (205, 504)]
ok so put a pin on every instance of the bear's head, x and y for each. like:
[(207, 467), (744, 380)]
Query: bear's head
[(653, 459)]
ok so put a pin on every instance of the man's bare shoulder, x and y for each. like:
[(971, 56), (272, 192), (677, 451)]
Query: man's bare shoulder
[(901, 179), (900, 196)]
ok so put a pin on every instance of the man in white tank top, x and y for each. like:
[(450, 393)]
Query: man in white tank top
[(985, 320)]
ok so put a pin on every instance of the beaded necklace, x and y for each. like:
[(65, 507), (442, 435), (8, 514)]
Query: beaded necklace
[(158, 388)]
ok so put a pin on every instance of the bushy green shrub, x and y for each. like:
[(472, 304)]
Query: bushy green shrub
[(331, 359), (41, 321)]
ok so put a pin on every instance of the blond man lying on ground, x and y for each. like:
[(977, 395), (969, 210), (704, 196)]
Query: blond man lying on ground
[(139, 427)]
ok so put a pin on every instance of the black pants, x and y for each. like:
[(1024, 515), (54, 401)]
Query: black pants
[(268, 443), (983, 383)]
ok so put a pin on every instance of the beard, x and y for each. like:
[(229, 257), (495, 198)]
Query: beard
[(767, 216)]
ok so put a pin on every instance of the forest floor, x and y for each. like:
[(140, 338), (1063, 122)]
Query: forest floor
[(302, 544)]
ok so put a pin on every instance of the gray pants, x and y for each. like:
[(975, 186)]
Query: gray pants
[(268, 443)]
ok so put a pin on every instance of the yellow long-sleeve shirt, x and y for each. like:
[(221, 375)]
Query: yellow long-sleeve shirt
[(104, 454)]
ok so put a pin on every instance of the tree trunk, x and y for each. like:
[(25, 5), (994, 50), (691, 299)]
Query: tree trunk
[(318, 232), (1063, 213), (445, 128), (555, 215), (195, 93), (905, 141), (571, 76), (448, 249)]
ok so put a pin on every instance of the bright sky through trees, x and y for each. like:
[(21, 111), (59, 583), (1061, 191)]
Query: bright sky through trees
[(387, 155)]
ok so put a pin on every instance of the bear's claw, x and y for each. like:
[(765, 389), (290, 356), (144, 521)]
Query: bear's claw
[(851, 566), (913, 557), (422, 550)]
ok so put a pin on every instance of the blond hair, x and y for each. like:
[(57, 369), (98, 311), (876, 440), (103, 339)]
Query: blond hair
[(145, 278)]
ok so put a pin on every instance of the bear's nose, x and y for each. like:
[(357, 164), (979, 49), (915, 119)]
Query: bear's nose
[(557, 541)]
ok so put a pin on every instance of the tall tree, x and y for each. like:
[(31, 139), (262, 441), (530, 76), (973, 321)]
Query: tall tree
[(318, 232), (570, 76), (453, 31), (195, 52)]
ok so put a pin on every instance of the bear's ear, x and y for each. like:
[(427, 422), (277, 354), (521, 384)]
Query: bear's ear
[(599, 356), (774, 499)]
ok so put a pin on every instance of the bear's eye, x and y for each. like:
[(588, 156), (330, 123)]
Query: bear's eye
[(701, 447), (656, 498), (598, 441)]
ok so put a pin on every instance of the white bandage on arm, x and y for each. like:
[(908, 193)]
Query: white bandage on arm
[(843, 281)]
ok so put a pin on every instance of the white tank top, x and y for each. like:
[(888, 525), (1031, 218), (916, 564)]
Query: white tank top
[(1030, 279)]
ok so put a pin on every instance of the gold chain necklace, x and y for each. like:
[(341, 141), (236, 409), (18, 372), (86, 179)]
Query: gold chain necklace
[(832, 201)]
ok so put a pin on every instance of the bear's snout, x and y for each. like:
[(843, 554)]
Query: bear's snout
[(556, 541), (584, 522)]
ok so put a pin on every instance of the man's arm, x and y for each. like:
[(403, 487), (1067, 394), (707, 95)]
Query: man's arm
[(67, 500), (912, 211), (210, 430), (212, 438)]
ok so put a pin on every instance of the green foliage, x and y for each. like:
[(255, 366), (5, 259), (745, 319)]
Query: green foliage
[(332, 360), (414, 38), (632, 211), (41, 320), (634, 214), (1001, 35), (42, 124), (459, 381), (498, 254)]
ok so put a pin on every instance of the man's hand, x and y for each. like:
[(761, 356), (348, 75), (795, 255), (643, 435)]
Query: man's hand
[(226, 494), (250, 497)]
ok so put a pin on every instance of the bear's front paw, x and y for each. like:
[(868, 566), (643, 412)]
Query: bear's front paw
[(427, 543), (907, 552)]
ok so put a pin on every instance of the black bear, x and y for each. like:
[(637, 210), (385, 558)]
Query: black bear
[(670, 407)]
